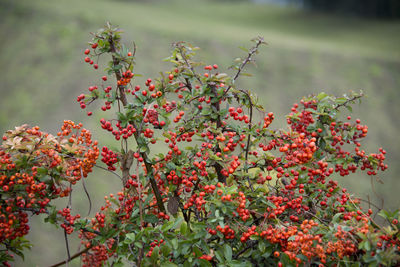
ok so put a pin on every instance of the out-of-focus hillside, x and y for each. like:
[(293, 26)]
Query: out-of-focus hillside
[(42, 68)]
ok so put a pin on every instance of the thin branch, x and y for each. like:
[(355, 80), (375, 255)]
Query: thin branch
[(179, 46), (251, 244), (253, 50), (248, 142), (116, 174), (79, 253), (124, 101), (348, 101), (86, 192), (67, 246)]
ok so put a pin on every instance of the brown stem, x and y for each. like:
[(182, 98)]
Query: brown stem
[(252, 51), (122, 98), (248, 142), (179, 45), (79, 253), (218, 168), (122, 95), (348, 101)]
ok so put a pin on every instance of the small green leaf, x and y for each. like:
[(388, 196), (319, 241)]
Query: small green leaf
[(168, 264), (228, 252), (183, 228)]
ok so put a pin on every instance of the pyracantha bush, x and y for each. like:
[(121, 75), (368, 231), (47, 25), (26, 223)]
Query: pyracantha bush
[(224, 189)]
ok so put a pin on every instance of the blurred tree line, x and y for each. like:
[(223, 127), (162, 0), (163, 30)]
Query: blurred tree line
[(384, 9), (366, 8)]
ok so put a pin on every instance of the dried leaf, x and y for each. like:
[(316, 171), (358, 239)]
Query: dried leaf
[(173, 204)]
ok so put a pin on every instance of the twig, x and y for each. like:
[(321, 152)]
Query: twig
[(179, 46), (248, 142), (116, 174), (348, 101), (86, 192), (67, 245), (79, 253), (252, 51)]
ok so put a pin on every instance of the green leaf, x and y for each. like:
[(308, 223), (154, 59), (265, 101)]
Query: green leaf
[(349, 108), (341, 100), (219, 256), (174, 243), (151, 218), (321, 96), (168, 264), (166, 250), (336, 218), (42, 170), (129, 238), (204, 263), (228, 252), (183, 228), (267, 253), (155, 255)]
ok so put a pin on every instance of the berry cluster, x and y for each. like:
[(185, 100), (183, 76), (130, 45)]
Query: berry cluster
[(69, 220), (228, 232), (109, 158), (154, 244)]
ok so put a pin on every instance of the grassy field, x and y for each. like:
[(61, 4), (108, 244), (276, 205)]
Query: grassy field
[(42, 69)]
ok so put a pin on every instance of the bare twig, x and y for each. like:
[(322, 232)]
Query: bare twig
[(116, 174), (79, 253), (253, 50), (179, 46), (86, 192), (67, 246)]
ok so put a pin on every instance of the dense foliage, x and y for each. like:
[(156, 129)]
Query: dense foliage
[(226, 189)]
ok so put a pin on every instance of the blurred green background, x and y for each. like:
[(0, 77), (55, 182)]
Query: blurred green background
[(42, 71)]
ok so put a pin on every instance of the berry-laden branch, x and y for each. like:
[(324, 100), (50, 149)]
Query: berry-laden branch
[(127, 158), (238, 192)]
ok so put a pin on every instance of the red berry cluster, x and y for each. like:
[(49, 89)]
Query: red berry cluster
[(206, 257), (162, 215), (228, 232), (109, 158), (88, 59), (300, 150), (246, 235), (69, 220), (100, 217), (126, 78), (98, 254), (154, 244), (305, 117), (244, 213), (198, 200), (151, 116), (126, 132), (28, 157), (169, 106), (237, 114)]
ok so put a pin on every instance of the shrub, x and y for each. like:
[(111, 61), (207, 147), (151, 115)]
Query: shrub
[(226, 190)]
